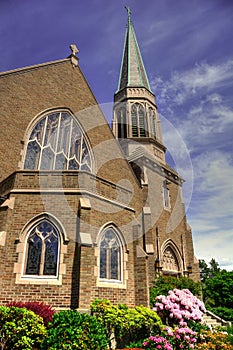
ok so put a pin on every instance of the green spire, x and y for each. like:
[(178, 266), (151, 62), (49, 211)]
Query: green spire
[(132, 71)]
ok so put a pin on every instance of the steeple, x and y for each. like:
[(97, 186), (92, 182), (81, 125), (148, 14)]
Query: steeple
[(136, 122), (132, 71)]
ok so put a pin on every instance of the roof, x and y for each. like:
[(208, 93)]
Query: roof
[(132, 73)]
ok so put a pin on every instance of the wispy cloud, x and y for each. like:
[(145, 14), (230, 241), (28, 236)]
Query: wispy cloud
[(187, 84), (201, 109)]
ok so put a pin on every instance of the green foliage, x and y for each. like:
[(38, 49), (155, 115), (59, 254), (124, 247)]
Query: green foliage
[(72, 330), (127, 324), (223, 312), (162, 285), (20, 329), (218, 290)]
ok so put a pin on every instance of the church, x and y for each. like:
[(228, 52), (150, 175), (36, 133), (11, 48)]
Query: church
[(86, 210)]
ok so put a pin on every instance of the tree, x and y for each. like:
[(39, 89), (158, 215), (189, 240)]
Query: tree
[(218, 290), (208, 271)]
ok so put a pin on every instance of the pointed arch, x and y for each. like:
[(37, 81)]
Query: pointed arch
[(171, 257), (111, 257), (41, 247), (55, 141), (138, 120)]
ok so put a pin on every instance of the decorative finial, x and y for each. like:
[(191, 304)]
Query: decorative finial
[(73, 57), (74, 49), (128, 10)]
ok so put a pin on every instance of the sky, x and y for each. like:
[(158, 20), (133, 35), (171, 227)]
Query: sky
[(187, 49)]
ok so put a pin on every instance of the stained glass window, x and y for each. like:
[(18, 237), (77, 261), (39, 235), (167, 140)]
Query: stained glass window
[(57, 143), (110, 256), (42, 250)]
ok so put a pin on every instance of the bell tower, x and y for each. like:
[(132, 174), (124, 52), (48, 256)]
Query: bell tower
[(136, 122)]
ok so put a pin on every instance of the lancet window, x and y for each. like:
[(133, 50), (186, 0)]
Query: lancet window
[(56, 142), (138, 120), (110, 256), (152, 119), (42, 248), (121, 123)]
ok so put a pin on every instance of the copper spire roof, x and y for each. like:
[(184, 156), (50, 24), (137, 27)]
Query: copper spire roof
[(132, 73)]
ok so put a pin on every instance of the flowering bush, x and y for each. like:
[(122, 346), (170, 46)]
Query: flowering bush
[(178, 338), (179, 307), (40, 308), (181, 338), (157, 342), (213, 340)]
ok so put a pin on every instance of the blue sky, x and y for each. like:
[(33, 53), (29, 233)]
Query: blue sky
[(187, 48)]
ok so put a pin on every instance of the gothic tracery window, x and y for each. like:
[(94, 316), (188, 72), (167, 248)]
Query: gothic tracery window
[(138, 120), (56, 142), (42, 249), (169, 262), (110, 256)]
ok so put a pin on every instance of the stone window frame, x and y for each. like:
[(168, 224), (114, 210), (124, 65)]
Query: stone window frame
[(169, 244), (21, 249), (38, 118), (110, 283), (166, 195), (138, 121)]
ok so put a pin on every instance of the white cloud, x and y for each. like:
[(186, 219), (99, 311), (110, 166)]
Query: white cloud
[(202, 114), (185, 85)]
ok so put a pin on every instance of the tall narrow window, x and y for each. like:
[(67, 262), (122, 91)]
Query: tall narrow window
[(152, 119), (121, 123), (56, 142), (166, 197), (42, 250), (110, 256), (134, 121), (138, 120)]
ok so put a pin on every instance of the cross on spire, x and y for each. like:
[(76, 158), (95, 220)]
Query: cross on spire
[(128, 11)]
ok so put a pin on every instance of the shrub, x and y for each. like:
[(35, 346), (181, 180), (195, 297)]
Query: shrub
[(162, 285), (223, 312), (72, 330), (211, 340), (41, 309), (179, 307), (157, 342), (20, 329), (126, 324)]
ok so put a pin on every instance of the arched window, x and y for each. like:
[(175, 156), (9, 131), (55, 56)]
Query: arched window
[(152, 119), (42, 250), (56, 142), (110, 256), (138, 120), (170, 262)]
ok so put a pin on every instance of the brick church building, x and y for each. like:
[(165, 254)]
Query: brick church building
[(86, 211)]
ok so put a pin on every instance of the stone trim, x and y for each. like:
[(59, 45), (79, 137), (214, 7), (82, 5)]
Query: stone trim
[(21, 250)]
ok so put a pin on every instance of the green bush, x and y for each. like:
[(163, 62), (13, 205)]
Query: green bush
[(20, 329), (223, 312), (72, 330), (124, 323)]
